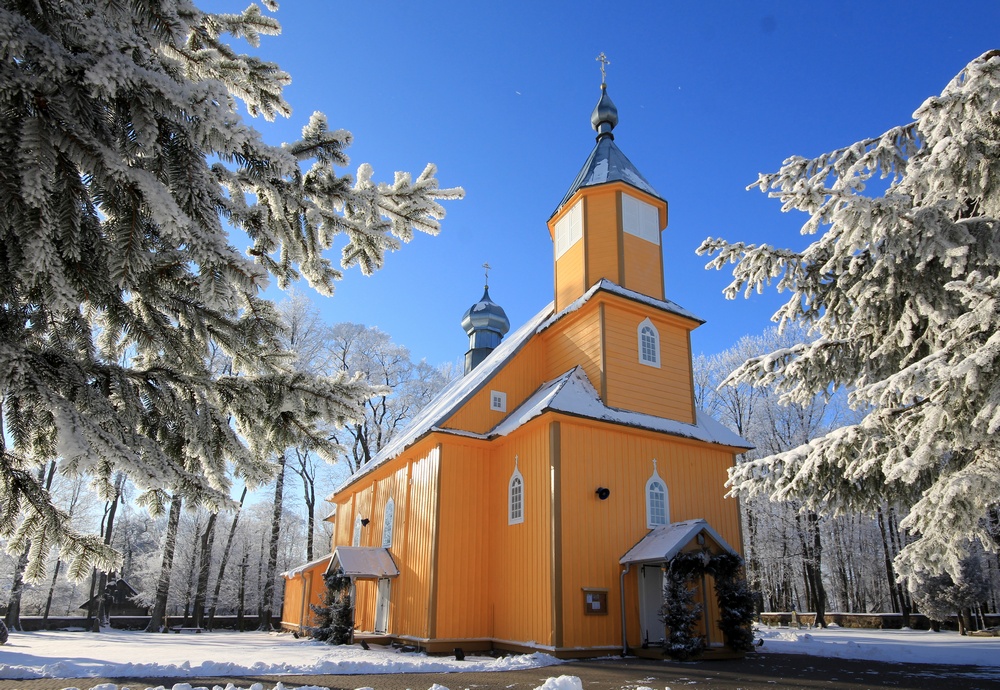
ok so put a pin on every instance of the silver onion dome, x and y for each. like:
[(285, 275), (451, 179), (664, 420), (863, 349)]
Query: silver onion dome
[(605, 115), (486, 323)]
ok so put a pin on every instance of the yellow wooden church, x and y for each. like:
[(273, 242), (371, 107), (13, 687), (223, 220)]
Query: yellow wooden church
[(535, 503)]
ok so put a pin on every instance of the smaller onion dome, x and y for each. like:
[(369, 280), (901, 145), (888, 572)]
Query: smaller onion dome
[(486, 323)]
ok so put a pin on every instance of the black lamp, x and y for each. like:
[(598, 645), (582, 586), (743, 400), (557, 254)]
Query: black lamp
[(364, 522), (603, 493)]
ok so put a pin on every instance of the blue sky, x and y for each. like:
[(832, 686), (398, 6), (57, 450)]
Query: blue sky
[(499, 96)]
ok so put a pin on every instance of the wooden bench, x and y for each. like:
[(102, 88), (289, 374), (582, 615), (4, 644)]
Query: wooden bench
[(180, 629)]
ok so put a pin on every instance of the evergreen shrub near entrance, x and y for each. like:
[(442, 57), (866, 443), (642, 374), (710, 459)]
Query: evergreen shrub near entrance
[(335, 616)]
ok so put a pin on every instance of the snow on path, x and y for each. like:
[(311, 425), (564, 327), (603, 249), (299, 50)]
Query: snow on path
[(117, 654), (898, 646)]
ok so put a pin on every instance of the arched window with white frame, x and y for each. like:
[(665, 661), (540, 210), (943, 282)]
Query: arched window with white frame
[(356, 541), (515, 497), (390, 514), (657, 502), (649, 344)]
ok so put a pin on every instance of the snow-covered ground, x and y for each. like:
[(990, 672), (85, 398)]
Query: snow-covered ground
[(117, 654)]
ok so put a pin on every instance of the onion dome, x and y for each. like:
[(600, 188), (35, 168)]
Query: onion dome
[(486, 323), (605, 115)]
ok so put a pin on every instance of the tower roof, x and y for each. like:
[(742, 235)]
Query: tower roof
[(607, 163)]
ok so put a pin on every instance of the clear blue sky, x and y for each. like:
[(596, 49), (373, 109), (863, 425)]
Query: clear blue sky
[(499, 95)]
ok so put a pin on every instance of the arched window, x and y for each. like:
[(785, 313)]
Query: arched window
[(649, 344), (515, 497), (657, 504), (356, 541), (390, 514)]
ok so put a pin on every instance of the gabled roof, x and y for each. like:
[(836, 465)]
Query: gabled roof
[(461, 390), (572, 393), (663, 543), (363, 562), (299, 569), (607, 163)]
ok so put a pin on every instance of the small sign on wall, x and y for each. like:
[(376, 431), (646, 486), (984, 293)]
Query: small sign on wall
[(595, 601)]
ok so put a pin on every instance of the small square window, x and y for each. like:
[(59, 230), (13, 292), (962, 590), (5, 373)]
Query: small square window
[(498, 401), (595, 602)]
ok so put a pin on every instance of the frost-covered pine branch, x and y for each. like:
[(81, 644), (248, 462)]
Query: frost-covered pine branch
[(124, 156), (900, 294)]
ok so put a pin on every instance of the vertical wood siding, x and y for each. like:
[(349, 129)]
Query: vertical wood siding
[(601, 228), (575, 341), (520, 575), (570, 274), (518, 379), (464, 548), (643, 266), (597, 533), (664, 391)]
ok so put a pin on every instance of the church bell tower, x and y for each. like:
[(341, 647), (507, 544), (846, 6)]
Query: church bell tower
[(608, 223)]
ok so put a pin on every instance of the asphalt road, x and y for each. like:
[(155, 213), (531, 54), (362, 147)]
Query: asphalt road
[(756, 672)]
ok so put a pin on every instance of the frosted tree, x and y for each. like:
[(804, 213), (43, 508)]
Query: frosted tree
[(900, 292), (124, 153)]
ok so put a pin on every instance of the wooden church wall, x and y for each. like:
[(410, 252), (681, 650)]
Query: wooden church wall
[(462, 588), (521, 579), (595, 533), (575, 341), (664, 391), (518, 379)]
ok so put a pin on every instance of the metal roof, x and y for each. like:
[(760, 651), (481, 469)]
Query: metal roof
[(663, 543), (605, 164), (364, 562)]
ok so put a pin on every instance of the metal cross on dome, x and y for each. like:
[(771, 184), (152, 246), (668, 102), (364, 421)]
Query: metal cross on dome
[(603, 59), (487, 267)]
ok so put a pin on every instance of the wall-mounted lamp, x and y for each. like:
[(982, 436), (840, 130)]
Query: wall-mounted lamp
[(603, 493), (364, 522)]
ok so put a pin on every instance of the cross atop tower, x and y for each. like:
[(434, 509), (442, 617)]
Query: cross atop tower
[(487, 267), (603, 59)]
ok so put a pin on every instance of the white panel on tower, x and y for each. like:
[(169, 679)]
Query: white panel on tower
[(640, 219), (569, 229)]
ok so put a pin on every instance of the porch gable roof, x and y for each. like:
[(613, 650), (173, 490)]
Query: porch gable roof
[(363, 562), (661, 544)]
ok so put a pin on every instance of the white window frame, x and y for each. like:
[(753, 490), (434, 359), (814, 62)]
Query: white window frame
[(569, 229), (356, 539), (640, 219), (652, 357), (498, 401), (515, 500), (656, 480), (388, 523)]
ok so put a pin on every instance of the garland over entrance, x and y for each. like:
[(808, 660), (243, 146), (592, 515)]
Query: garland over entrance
[(680, 613)]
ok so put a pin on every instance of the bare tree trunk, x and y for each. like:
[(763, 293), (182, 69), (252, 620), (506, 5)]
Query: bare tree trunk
[(225, 559), (13, 617), (204, 564), (816, 566), (100, 599), (308, 476), (272, 558), (159, 612), (52, 587)]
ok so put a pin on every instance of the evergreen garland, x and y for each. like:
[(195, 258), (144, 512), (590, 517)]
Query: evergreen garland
[(735, 600), (679, 612), (335, 616)]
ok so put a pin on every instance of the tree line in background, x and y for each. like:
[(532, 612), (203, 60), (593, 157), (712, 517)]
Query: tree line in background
[(229, 563)]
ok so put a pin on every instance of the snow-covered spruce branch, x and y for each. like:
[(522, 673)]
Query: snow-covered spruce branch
[(899, 293), (127, 154)]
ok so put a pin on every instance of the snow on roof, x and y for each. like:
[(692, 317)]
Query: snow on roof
[(364, 562), (605, 285), (663, 543), (606, 163), (298, 570), (572, 393), (453, 396)]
